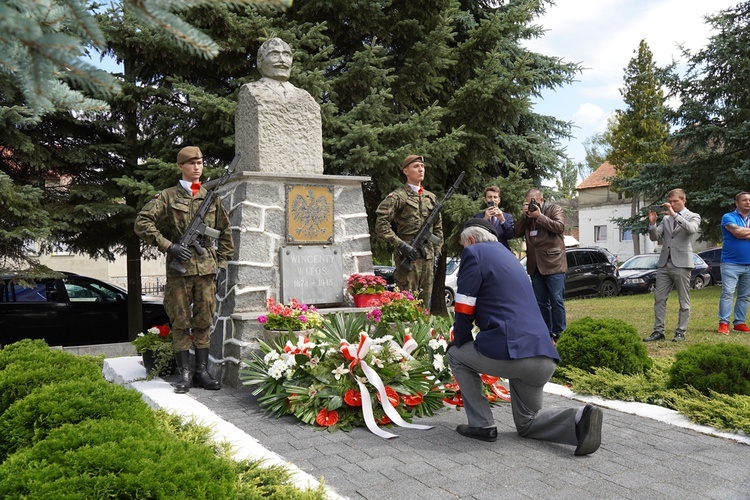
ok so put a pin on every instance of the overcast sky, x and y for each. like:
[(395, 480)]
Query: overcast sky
[(603, 35)]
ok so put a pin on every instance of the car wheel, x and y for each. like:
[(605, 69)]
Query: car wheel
[(652, 287), (698, 282), (607, 289), (449, 297)]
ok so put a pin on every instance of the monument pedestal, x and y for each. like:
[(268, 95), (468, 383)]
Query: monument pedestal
[(267, 265)]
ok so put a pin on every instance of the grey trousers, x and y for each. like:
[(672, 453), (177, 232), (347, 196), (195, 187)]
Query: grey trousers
[(667, 277), (527, 377)]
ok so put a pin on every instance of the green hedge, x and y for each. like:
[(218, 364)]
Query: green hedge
[(35, 365), (603, 343), (67, 433), (30, 419), (723, 368), (114, 459)]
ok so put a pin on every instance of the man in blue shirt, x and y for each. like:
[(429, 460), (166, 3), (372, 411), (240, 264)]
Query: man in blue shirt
[(735, 265), (502, 221), (513, 342)]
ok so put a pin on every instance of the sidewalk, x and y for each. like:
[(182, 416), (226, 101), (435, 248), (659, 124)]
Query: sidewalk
[(647, 452)]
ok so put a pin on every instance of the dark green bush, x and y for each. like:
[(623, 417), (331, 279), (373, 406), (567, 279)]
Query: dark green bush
[(26, 369), (723, 368), (30, 419), (603, 343), (115, 459)]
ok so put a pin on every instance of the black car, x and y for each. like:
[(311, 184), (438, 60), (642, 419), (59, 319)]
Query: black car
[(590, 273), (386, 272), (712, 257), (638, 273), (72, 310)]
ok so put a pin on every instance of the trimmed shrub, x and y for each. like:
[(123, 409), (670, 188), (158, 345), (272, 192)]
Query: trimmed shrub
[(27, 369), (723, 368), (603, 343), (115, 459), (30, 419), (22, 349)]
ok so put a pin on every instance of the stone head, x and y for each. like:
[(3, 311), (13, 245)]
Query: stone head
[(275, 59)]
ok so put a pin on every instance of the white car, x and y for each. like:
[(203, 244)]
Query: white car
[(451, 281)]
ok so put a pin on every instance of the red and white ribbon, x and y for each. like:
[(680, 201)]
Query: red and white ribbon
[(356, 353)]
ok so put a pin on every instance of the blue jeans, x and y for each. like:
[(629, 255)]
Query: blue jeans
[(734, 277), (548, 290)]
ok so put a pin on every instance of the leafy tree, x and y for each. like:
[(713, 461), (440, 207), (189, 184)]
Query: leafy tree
[(567, 179), (712, 143), (597, 149), (638, 135)]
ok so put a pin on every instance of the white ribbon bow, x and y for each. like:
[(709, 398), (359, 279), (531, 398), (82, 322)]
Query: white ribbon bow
[(356, 353)]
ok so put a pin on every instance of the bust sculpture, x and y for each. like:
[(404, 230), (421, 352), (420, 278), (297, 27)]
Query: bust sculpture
[(277, 125)]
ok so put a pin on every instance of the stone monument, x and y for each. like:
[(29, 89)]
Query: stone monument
[(298, 233), (277, 125)]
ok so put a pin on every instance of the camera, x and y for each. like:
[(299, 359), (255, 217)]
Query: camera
[(533, 205), (490, 203)]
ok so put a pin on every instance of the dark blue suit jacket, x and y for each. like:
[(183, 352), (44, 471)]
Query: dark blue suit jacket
[(494, 292), (504, 230)]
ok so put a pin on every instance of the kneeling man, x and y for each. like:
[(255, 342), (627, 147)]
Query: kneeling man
[(513, 342)]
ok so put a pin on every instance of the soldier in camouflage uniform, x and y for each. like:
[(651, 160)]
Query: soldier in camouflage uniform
[(399, 217), (189, 299)]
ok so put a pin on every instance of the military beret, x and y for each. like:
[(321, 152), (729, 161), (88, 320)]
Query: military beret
[(411, 159), (188, 153), (484, 224)]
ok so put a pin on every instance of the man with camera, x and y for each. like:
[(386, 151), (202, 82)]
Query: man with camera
[(501, 221), (542, 224)]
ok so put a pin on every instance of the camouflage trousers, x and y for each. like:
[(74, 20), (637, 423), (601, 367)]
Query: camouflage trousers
[(417, 281), (190, 302)]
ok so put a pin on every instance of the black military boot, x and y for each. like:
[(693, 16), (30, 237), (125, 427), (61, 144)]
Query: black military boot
[(202, 378), (183, 370)]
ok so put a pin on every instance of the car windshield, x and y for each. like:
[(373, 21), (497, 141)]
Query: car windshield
[(451, 266), (641, 262)]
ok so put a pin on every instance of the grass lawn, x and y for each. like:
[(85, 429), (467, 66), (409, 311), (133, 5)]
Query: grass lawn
[(638, 310)]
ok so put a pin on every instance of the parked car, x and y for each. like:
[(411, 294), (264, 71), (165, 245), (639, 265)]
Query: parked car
[(638, 273), (70, 311), (451, 281), (590, 272), (386, 272), (712, 257)]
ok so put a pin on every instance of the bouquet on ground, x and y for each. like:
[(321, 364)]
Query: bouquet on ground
[(398, 306), (294, 316), (337, 376), (157, 340), (365, 284)]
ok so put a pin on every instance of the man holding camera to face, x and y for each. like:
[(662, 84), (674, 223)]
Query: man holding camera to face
[(542, 224), (501, 221)]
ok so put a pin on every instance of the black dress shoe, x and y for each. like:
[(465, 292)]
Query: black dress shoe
[(488, 434), (589, 430), (678, 337), (654, 336)]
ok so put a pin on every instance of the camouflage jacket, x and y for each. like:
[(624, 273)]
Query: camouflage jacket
[(402, 213), (164, 219)]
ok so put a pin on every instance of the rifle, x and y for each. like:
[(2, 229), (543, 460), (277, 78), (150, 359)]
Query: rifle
[(198, 227), (425, 234)]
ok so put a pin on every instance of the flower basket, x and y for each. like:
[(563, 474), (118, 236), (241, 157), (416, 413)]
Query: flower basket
[(367, 299), (397, 307), (294, 316), (364, 284), (151, 363), (155, 347)]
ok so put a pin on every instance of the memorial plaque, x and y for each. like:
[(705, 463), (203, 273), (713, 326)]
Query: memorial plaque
[(309, 214), (312, 274)]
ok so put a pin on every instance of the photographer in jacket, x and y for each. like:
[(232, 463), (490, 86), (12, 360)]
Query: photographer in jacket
[(542, 225)]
